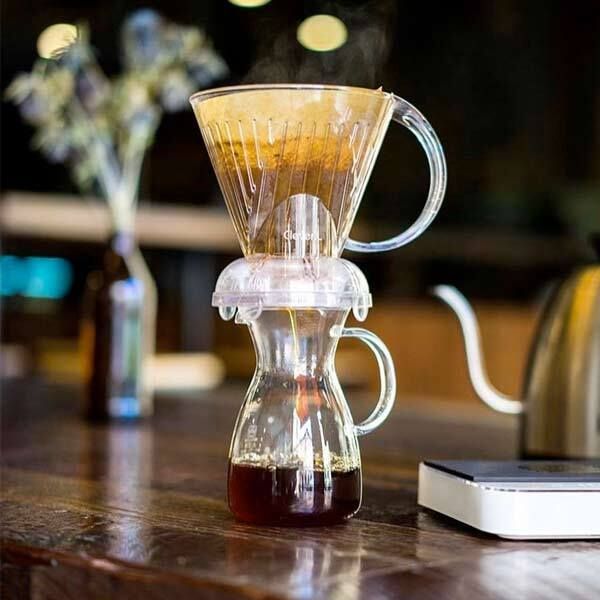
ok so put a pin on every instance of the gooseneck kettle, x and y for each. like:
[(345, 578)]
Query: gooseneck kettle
[(560, 406)]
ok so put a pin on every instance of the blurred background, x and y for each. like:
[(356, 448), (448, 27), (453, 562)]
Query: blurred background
[(513, 91)]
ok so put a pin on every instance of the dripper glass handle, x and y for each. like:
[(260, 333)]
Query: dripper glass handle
[(387, 376), (406, 114)]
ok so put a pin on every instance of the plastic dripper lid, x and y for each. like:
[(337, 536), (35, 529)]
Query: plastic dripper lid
[(258, 282)]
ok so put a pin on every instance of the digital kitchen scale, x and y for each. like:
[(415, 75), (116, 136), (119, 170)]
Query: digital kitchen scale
[(516, 499)]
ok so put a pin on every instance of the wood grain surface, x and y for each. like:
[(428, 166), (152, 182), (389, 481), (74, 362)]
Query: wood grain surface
[(98, 511)]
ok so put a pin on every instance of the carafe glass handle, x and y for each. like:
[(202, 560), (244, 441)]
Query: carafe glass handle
[(406, 114), (387, 377)]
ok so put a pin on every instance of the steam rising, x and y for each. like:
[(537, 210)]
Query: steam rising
[(359, 62)]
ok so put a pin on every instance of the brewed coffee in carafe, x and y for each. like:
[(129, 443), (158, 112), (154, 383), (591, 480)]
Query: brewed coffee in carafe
[(294, 455)]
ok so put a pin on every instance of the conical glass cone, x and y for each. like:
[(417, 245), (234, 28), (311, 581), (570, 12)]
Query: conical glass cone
[(293, 161)]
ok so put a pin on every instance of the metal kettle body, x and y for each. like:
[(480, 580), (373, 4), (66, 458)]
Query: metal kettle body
[(561, 394)]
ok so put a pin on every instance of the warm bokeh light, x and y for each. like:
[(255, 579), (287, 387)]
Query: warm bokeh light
[(55, 38), (250, 3), (322, 33)]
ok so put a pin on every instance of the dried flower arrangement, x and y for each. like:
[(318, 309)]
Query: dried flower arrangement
[(100, 127)]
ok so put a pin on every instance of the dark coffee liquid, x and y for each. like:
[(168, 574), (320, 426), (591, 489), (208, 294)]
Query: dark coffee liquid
[(292, 496)]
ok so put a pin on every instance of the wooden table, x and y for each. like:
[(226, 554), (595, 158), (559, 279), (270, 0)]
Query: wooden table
[(99, 512)]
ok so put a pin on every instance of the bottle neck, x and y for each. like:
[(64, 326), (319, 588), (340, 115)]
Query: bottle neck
[(119, 258), (122, 243), (296, 343)]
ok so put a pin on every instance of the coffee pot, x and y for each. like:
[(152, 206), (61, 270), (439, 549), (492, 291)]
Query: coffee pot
[(560, 406), (293, 162), (294, 456)]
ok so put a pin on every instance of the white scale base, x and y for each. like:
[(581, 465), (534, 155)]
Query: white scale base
[(514, 509)]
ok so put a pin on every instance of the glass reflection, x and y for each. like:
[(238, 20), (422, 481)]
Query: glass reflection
[(298, 562), (119, 462)]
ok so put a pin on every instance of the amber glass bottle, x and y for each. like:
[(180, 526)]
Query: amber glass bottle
[(118, 333)]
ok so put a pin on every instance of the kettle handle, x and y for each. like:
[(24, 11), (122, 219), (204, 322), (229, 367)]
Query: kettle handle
[(406, 114), (387, 376)]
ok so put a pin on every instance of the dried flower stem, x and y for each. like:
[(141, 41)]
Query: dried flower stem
[(102, 128)]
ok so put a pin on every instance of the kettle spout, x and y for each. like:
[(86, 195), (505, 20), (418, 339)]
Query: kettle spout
[(472, 338)]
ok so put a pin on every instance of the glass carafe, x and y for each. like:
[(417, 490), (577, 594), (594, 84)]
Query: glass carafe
[(294, 457), (269, 143)]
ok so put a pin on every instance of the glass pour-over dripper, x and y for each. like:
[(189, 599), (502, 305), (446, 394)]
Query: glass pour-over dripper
[(269, 143)]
